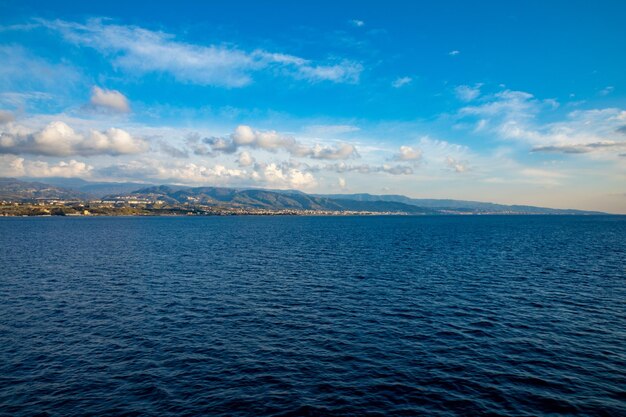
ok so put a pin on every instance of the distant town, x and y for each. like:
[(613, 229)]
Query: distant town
[(140, 207)]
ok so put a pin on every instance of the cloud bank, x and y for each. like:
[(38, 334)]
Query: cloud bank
[(276, 175), (246, 137), (11, 166), (59, 139)]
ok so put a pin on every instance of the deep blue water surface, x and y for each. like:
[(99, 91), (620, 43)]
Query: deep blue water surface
[(291, 316)]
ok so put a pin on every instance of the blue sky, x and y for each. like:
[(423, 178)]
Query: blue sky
[(513, 103)]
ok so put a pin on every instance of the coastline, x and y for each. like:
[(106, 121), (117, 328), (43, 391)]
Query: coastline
[(261, 207), (89, 210)]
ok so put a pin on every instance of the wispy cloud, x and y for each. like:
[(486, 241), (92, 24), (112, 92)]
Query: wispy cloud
[(330, 130), (25, 77), (454, 52), (401, 82), (514, 115), (467, 93), (357, 23), (19, 100), (139, 50), (607, 90), (507, 104), (581, 148), (456, 165), (342, 167)]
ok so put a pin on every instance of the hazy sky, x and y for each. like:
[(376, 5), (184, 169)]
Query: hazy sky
[(497, 101)]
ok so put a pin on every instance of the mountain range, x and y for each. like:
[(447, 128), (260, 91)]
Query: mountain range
[(12, 189), (269, 199)]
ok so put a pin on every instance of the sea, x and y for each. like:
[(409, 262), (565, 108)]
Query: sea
[(313, 316)]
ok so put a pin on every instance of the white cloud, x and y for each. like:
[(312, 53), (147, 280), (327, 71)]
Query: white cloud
[(341, 182), (59, 139), (283, 177), (456, 165), (343, 72), (173, 151), (401, 82), (140, 50), (438, 149), (11, 166), (357, 23), (507, 104), (454, 52), (588, 126), (438, 155), (408, 153), (245, 159), (272, 141), (111, 100), (268, 140), (273, 175), (197, 145), (467, 93), (395, 169), (173, 171), (342, 151), (513, 115), (217, 145)]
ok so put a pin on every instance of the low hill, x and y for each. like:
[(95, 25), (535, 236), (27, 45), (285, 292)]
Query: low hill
[(12, 189), (458, 206), (266, 199), (95, 189)]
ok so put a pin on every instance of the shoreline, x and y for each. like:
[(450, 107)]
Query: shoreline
[(100, 209)]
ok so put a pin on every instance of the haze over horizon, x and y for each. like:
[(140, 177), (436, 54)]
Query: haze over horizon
[(506, 103)]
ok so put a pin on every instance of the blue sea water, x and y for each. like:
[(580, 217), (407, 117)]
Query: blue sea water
[(313, 316)]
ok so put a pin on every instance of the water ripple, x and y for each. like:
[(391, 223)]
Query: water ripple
[(350, 316)]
